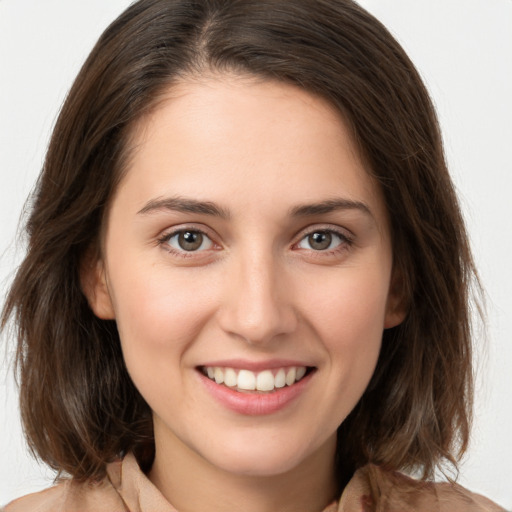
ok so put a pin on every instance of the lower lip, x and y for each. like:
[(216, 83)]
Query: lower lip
[(255, 404)]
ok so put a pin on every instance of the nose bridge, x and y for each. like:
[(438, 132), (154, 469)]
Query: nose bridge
[(257, 305)]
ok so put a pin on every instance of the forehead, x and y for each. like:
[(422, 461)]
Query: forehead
[(229, 137)]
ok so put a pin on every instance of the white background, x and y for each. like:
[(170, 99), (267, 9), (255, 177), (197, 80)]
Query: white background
[(463, 49)]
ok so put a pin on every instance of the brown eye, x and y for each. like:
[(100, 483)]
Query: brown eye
[(189, 241), (323, 240), (320, 240)]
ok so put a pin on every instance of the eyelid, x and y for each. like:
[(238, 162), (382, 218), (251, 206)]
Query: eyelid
[(343, 233), (174, 241), (345, 244), (346, 236), (169, 233)]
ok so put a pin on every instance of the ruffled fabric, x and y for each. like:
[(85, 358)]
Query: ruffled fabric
[(371, 489)]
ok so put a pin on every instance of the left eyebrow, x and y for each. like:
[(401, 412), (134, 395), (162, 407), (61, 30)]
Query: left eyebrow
[(328, 206), (183, 204)]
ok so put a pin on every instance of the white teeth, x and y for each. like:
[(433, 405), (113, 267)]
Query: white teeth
[(290, 376), (230, 378), (218, 375), (247, 380), (280, 379), (301, 371), (265, 381)]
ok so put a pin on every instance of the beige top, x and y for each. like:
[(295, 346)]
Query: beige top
[(371, 489)]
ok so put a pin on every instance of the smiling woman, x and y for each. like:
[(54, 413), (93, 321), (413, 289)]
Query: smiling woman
[(253, 295), (247, 281)]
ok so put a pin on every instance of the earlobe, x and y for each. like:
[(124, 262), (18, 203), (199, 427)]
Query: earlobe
[(394, 317), (94, 284), (397, 304)]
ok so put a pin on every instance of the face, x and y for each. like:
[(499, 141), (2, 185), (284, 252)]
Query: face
[(247, 263)]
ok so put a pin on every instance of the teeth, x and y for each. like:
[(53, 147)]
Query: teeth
[(290, 376), (280, 379), (265, 381), (230, 378), (246, 380), (219, 375), (301, 371)]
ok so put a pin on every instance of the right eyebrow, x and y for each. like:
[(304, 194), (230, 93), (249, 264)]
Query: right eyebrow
[(183, 204), (330, 205)]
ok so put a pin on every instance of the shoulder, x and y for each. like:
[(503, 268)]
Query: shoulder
[(69, 496), (392, 491)]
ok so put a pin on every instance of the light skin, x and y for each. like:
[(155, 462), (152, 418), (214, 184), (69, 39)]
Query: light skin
[(295, 264)]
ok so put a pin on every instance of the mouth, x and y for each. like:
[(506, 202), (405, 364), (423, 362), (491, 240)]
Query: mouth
[(262, 382)]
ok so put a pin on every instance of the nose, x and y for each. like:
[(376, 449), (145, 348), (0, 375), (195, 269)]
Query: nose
[(257, 304)]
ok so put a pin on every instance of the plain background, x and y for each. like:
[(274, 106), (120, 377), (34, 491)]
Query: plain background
[(462, 48)]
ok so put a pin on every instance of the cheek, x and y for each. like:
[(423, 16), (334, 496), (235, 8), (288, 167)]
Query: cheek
[(157, 311), (159, 314), (349, 304), (348, 316)]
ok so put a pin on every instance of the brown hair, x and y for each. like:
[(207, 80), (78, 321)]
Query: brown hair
[(80, 409)]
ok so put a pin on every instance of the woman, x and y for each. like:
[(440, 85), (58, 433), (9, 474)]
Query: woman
[(247, 277)]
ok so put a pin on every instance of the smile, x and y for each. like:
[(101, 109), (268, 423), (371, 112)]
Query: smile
[(259, 391), (264, 381)]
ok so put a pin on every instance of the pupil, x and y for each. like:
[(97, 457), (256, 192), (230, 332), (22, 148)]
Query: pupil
[(320, 241), (190, 240)]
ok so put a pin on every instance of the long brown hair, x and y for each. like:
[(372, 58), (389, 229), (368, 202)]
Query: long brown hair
[(79, 407)]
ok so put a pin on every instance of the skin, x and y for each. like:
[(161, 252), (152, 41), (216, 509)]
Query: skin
[(256, 290)]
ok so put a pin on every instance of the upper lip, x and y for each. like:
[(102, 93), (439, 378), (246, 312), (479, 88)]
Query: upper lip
[(255, 366)]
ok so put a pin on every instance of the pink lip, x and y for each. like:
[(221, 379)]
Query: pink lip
[(253, 403), (254, 366)]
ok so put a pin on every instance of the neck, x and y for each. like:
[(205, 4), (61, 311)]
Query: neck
[(192, 484)]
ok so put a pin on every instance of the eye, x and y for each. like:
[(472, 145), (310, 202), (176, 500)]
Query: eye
[(322, 240), (188, 240)]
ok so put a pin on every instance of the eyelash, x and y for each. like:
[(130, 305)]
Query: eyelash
[(346, 241), (167, 237)]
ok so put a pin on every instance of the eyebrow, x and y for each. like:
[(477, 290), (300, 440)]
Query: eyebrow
[(328, 206), (186, 205)]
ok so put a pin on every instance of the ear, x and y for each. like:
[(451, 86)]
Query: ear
[(397, 304), (94, 284)]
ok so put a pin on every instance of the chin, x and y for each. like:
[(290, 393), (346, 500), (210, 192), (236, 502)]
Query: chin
[(261, 458), (260, 465)]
